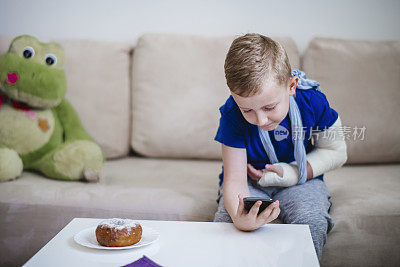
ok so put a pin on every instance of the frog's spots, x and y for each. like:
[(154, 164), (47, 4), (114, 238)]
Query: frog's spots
[(44, 125), (12, 77)]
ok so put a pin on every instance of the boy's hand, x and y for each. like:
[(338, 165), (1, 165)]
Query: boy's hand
[(257, 174), (249, 221)]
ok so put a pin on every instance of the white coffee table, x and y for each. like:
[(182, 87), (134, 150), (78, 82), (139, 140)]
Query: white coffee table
[(188, 244)]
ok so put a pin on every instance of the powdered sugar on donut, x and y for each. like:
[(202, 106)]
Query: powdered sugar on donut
[(119, 224)]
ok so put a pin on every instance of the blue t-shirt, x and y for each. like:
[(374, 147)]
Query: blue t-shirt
[(235, 131)]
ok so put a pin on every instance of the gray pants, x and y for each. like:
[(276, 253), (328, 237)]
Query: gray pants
[(301, 204)]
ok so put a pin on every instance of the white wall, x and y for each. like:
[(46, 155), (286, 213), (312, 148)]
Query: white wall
[(123, 20)]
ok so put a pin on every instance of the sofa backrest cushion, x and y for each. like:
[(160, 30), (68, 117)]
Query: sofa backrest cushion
[(361, 79), (98, 87), (178, 84)]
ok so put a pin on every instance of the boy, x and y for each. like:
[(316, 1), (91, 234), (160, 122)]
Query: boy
[(257, 163)]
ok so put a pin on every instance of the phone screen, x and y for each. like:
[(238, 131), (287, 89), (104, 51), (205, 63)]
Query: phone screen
[(250, 201)]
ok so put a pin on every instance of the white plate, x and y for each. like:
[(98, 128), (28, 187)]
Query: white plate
[(87, 238)]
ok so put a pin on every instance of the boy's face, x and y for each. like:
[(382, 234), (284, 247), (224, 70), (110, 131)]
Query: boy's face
[(269, 107)]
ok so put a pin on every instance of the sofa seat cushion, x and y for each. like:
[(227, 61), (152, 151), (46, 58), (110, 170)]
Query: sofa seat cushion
[(33, 209), (143, 188), (366, 211), (366, 206)]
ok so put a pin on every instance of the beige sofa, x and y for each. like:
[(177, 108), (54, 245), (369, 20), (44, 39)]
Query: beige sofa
[(160, 99)]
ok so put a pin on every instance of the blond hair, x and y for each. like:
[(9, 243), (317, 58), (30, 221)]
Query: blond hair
[(252, 60)]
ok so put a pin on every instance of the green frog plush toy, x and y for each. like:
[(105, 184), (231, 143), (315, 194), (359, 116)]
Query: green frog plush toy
[(39, 129)]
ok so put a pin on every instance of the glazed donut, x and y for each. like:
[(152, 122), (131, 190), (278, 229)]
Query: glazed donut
[(117, 232)]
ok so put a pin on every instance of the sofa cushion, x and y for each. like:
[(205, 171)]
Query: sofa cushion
[(147, 188), (362, 82), (33, 209), (178, 84), (366, 210), (98, 88)]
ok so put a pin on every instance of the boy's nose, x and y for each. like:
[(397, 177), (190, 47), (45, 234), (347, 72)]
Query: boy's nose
[(263, 123), (261, 120)]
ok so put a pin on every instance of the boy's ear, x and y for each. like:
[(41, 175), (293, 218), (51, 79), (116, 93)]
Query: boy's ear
[(293, 85)]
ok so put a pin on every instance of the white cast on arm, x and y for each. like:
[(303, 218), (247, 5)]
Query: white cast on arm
[(290, 176), (330, 152)]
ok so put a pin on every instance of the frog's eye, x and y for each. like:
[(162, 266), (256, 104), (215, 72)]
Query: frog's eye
[(28, 52), (51, 60)]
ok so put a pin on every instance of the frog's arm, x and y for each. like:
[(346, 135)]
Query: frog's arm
[(72, 125)]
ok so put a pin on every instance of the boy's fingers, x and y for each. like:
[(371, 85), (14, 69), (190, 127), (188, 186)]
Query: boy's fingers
[(241, 205), (274, 168), (254, 170), (267, 212), (253, 177), (274, 214), (250, 172), (250, 169), (256, 174), (270, 168), (254, 210), (274, 211)]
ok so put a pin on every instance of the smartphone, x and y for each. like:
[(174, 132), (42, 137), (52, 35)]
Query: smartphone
[(250, 201)]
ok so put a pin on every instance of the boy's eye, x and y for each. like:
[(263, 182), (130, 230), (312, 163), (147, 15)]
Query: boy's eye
[(270, 108), (246, 111)]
